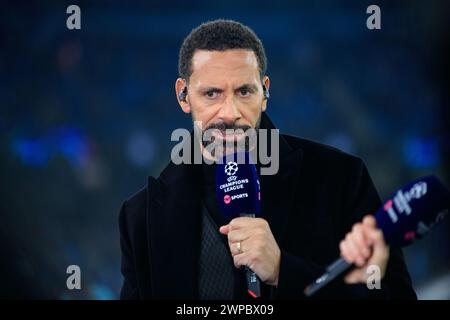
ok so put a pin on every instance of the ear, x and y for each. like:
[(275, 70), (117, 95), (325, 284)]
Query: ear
[(180, 84), (266, 83)]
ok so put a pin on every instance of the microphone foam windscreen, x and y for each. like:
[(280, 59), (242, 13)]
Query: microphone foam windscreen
[(237, 186), (411, 211)]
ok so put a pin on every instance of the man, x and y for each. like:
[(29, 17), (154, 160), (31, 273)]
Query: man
[(175, 244)]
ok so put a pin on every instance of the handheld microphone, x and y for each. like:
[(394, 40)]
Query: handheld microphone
[(407, 215), (238, 194)]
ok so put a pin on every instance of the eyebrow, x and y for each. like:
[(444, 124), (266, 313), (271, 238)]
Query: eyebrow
[(207, 89), (248, 86), (244, 86)]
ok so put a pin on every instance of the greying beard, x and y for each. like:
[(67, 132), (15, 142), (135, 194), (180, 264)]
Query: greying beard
[(245, 144)]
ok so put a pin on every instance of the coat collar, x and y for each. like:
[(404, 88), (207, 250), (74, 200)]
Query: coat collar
[(174, 218)]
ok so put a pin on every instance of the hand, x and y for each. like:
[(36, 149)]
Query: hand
[(364, 246), (258, 249)]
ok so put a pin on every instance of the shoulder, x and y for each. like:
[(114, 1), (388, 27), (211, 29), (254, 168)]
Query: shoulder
[(134, 208), (322, 154), (136, 201)]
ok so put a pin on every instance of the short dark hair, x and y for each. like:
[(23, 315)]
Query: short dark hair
[(220, 35)]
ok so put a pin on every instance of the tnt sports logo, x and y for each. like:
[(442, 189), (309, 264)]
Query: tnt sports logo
[(231, 168), (227, 199)]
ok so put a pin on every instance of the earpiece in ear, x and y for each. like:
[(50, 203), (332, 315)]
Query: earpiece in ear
[(182, 95), (266, 92)]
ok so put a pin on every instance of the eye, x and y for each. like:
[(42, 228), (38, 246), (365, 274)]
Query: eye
[(211, 94), (244, 92)]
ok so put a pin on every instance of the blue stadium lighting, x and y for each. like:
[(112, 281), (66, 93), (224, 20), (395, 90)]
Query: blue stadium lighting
[(421, 153)]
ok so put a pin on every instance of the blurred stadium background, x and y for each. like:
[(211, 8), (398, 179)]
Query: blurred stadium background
[(86, 115)]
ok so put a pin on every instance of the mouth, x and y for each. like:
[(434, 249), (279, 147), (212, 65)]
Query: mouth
[(228, 135)]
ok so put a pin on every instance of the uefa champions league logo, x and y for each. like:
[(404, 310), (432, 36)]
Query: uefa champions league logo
[(231, 168)]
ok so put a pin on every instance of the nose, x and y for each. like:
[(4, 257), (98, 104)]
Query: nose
[(229, 112)]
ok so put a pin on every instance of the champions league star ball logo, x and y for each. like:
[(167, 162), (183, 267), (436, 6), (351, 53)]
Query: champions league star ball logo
[(231, 168)]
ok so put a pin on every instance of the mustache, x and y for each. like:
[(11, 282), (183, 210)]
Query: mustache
[(222, 126)]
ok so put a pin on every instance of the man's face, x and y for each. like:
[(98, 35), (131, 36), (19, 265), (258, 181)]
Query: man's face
[(224, 92)]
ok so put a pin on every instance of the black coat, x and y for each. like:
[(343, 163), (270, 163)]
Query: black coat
[(310, 204)]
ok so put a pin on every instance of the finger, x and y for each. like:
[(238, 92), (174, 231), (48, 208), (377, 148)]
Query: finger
[(380, 256), (240, 260), (247, 245), (354, 250), (344, 252), (244, 222), (224, 229), (238, 235), (377, 239), (234, 247), (369, 221), (241, 222), (361, 243), (355, 276)]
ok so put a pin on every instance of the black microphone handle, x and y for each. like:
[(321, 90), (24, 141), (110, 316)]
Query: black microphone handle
[(253, 282), (334, 270)]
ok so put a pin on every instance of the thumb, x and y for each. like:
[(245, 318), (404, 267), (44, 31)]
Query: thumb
[(376, 238), (369, 221), (224, 229)]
